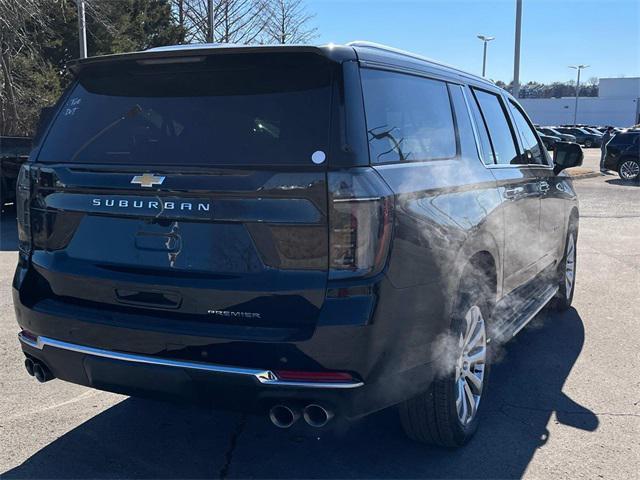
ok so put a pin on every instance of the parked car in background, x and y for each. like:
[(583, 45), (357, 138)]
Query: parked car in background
[(583, 137), (593, 130), (623, 155), (303, 232), (550, 131), (14, 151), (549, 141)]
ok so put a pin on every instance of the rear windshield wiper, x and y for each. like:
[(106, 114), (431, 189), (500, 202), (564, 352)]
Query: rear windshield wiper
[(131, 113)]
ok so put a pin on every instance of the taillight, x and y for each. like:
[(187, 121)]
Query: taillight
[(360, 223), (23, 199)]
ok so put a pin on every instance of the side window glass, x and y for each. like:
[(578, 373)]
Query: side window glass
[(483, 133), (409, 118), (534, 152), (468, 147), (494, 115)]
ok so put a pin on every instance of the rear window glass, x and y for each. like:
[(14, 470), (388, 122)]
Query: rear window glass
[(251, 109), (625, 139), (409, 118)]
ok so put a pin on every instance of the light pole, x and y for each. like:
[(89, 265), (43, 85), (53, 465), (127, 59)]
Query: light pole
[(575, 110), (485, 39), (82, 28), (211, 20), (516, 54)]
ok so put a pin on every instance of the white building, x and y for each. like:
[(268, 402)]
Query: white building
[(617, 104)]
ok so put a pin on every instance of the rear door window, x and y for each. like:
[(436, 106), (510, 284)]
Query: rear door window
[(224, 110), (495, 118), (409, 118)]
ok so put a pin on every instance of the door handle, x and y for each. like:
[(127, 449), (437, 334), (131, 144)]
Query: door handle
[(544, 186), (512, 193)]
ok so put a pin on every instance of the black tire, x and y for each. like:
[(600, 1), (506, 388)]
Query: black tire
[(564, 297), (629, 163), (432, 417), (588, 143)]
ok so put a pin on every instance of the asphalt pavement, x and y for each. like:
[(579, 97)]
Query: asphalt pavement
[(563, 402)]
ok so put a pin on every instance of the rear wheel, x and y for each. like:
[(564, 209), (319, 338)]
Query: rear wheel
[(447, 413), (567, 273), (588, 143), (629, 170)]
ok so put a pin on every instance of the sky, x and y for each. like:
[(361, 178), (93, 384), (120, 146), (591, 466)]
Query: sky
[(604, 34)]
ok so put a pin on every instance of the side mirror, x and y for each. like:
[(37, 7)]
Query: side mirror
[(566, 155)]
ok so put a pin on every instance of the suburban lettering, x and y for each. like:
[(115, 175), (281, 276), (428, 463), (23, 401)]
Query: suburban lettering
[(150, 204)]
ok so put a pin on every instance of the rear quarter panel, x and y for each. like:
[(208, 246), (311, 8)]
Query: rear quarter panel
[(446, 212)]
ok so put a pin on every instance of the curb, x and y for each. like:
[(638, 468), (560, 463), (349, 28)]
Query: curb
[(581, 176)]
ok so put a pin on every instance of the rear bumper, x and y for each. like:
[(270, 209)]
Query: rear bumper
[(264, 377), (212, 386), (117, 355)]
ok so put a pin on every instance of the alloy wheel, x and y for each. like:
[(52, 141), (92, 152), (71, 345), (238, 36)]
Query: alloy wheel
[(570, 265), (629, 170), (470, 365)]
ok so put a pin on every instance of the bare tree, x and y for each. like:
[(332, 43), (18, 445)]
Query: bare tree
[(18, 20), (235, 21), (238, 21), (287, 21), (25, 28)]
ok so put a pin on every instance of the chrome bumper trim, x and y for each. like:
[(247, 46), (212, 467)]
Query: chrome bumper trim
[(265, 377)]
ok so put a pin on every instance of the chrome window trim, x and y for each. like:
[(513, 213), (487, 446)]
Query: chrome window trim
[(440, 76), (474, 127), (525, 165), (265, 377)]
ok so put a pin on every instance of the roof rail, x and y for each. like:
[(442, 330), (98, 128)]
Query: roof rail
[(386, 48)]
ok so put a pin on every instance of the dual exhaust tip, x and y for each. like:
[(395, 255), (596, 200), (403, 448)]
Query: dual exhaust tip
[(283, 416), (38, 370)]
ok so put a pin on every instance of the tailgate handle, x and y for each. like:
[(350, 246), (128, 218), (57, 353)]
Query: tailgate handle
[(143, 298)]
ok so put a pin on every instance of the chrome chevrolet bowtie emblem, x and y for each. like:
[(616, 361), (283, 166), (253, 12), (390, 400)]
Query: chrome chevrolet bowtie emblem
[(148, 180)]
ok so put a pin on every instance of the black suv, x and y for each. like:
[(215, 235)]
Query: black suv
[(623, 155), (300, 231)]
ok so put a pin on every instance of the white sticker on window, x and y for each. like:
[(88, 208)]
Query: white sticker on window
[(318, 157)]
